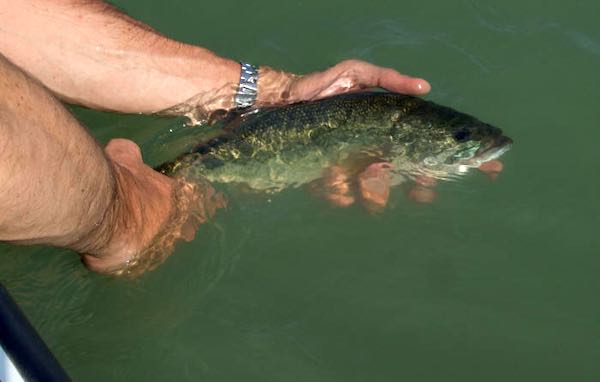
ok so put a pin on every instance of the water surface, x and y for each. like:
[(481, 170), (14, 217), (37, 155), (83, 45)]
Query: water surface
[(495, 281)]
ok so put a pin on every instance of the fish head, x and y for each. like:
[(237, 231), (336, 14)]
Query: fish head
[(476, 142), (462, 142)]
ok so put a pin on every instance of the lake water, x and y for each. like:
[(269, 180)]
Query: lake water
[(494, 281)]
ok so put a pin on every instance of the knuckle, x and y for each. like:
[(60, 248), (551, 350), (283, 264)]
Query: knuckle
[(352, 63)]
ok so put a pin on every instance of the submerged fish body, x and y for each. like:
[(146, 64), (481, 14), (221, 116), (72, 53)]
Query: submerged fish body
[(290, 146)]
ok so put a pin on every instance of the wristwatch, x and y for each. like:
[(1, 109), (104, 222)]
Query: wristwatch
[(248, 87)]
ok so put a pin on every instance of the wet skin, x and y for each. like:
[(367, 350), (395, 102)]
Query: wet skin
[(58, 187), (373, 185)]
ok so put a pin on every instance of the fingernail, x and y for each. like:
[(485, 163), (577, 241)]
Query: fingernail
[(423, 87)]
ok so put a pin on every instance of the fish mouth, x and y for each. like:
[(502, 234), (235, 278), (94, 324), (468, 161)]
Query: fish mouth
[(493, 149)]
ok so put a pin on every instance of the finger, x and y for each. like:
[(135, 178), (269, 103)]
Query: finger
[(426, 181), (492, 175), (340, 200), (353, 75), (392, 80), (422, 194), (123, 150), (188, 231), (369, 75), (374, 185), (493, 166), (334, 187)]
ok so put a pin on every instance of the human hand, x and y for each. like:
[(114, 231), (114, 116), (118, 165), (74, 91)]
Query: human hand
[(277, 88), (150, 213), (372, 185)]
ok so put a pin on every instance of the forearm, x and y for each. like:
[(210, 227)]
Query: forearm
[(56, 186), (59, 188), (89, 53)]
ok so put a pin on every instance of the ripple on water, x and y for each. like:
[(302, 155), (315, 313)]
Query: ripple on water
[(51, 286), (585, 42)]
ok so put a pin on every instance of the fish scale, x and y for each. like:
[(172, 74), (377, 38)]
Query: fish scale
[(290, 146)]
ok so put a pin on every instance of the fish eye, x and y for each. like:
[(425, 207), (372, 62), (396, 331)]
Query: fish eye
[(462, 135)]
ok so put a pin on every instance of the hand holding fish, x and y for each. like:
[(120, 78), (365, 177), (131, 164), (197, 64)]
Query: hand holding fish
[(110, 205), (372, 185), (276, 88)]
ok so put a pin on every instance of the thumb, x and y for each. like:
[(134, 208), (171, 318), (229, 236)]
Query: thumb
[(123, 150)]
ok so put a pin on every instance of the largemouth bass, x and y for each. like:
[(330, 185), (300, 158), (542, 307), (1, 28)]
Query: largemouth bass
[(291, 146)]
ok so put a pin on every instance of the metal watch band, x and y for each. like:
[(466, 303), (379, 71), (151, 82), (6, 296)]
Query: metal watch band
[(247, 90)]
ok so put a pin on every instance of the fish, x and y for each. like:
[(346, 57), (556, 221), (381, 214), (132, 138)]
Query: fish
[(290, 146)]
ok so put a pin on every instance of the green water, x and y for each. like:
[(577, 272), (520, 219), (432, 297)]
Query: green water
[(495, 281)]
